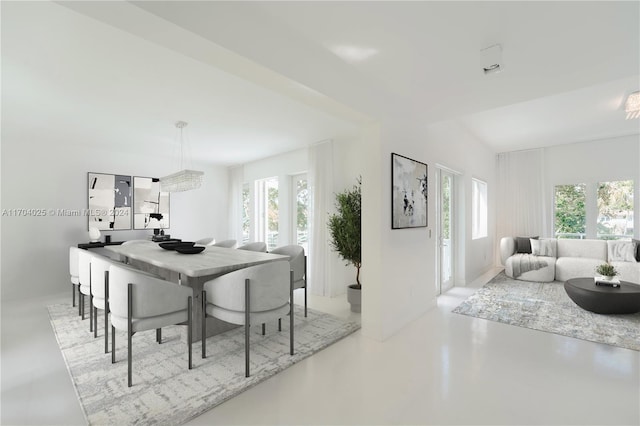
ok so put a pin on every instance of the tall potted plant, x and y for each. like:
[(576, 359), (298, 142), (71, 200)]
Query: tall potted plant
[(344, 227)]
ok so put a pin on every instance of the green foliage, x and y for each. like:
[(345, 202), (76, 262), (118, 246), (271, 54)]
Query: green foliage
[(272, 212), (345, 227), (302, 199), (571, 217), (607, 270)]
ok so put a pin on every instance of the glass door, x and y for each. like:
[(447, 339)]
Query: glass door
[(446, 225)]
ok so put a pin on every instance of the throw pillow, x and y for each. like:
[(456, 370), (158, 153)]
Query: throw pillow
[(542, 248), (523, 244), (621, 251)]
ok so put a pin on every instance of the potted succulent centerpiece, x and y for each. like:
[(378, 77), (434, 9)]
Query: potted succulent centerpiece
[(607, 270), (344, 228)]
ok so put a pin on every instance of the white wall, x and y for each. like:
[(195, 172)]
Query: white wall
[(46, 171), (399, 266)]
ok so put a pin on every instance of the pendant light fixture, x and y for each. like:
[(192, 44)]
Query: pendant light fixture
[(185, 179)]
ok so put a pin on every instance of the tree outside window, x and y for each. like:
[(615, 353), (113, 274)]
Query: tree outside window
[(570, 211)]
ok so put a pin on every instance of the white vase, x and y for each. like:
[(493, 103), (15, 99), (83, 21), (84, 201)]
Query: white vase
[(94, 234)]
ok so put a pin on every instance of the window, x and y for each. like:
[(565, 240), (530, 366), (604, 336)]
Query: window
[(246, 213), (267, 212), (615, 210), (570, 211), (479, 215), (603, 210), (301, 211)]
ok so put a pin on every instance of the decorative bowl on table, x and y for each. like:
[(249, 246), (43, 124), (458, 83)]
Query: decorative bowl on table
[(189, 249), (172, 245)]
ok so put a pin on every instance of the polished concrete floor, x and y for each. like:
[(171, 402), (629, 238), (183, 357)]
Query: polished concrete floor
[(443, 368)]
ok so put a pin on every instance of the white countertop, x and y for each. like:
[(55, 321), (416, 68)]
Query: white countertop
[(212, 261)]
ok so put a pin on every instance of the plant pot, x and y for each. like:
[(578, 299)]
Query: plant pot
[(354, 297)]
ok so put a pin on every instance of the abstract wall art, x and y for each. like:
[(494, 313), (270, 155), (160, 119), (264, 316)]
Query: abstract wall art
[(109, 201), (408, 193), (151, 206)]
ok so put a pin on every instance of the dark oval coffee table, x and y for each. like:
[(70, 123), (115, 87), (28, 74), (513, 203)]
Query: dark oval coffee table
[(603, 299)]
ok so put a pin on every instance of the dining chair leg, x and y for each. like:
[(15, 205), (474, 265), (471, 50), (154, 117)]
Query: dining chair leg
[(129, 332), (90, 313), (264, 328), (247, 316), (291, 312), (305, 300), (81, 302), (95, 322), (106, 329), (189, 329), (279, 324), (204, 324), (106, 312), (73, 295), (113, 345), (159, 335)]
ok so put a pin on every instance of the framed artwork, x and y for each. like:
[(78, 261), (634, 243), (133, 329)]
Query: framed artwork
[(109, 201), (150, 205), (408, 193)]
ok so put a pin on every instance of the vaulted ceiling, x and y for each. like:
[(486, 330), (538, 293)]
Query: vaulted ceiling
[(259, 78)]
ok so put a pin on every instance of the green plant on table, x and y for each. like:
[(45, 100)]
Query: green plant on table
[(607, 270)]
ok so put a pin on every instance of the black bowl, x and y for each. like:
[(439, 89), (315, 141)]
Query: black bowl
[(190, 250), (172, 245)]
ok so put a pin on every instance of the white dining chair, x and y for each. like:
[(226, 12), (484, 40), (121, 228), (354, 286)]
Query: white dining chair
[(206, 241), (139, 302), (126, 243), (257, 246), (225, 243), (100, 266), (84, 275), (100, 294), (73, 272), (249, 296), (298, 262)]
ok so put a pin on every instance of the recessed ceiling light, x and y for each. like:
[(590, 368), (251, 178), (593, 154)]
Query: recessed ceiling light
[(353, 54)]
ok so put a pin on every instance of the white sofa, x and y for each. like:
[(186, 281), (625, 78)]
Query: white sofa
[(563, 259)]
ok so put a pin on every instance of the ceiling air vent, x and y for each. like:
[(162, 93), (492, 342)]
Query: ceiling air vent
[(491, 59)]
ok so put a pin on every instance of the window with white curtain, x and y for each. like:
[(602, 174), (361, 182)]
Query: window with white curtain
[(300, 212), (479, 215), (603, 210), (267, 222), (246, 213)]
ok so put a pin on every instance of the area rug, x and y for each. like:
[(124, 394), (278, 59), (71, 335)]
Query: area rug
[(164, 391), (546, 307)]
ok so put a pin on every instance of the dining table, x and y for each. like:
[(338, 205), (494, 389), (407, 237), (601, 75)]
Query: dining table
[(192, 270)]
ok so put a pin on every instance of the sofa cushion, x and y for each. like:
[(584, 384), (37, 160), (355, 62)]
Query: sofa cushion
[(594, 249), (543, 247), (523, 244), (621, 251), (576, 267), (628, 271)]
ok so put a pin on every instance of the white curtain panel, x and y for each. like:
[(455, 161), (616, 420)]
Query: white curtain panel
[(320, 181), (521, 202), (236, 178)]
